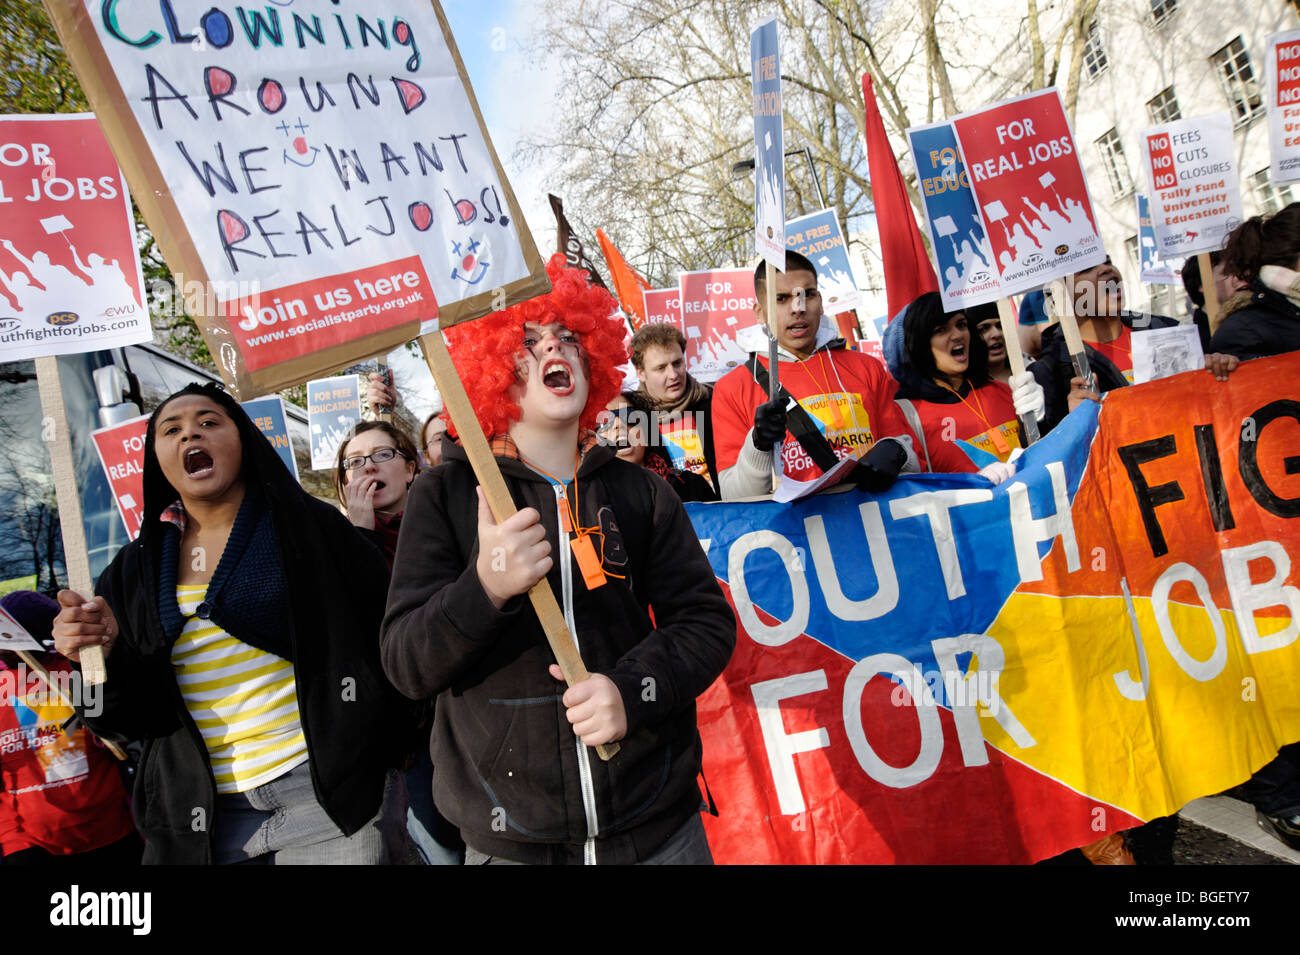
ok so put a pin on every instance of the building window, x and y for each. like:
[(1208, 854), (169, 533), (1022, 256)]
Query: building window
[(1162, 10), (1134, 253), (1116, 166), (1271, 198), (1094, 54), (1237, 78), (1164, 108)]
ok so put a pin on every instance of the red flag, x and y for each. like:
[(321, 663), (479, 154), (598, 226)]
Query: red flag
[(908, 271), (628, 285)]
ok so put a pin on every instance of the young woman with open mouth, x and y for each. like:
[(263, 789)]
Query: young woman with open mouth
[(241, 630), (376, 466)]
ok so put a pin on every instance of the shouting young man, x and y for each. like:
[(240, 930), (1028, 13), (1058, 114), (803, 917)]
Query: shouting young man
[(511, 744)]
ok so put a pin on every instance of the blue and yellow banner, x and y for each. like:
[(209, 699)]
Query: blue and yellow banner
[(960, 672)]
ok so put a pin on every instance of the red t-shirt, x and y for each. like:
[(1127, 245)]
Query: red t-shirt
[(849, 395), (1119, 351), (60, 793), (985, 417)]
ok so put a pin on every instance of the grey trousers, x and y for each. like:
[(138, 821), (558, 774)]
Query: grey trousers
[(281, 823), (687, 846)]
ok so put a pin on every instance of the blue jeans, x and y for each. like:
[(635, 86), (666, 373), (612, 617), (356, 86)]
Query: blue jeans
[(687, 846), (281, 823)]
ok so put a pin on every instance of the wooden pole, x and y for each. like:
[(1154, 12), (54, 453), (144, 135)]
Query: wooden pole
[(502, 505), (1016, 359), (384, 412), (1070, 328), (1208, 290), (769, 297), (76, 558)]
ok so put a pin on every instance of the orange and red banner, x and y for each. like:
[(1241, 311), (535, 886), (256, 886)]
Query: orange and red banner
[(959, 672)]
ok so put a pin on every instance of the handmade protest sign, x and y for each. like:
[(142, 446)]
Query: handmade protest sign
[(1191, 172), (872, 695), (963, 257), (717, 305), (1164, 352), (121, 453), (1030, 189), (769, 144), (1283, 68), (1154, 269), (321, 172), (333, 410), (69, 270), (663, 305), (818, 237)]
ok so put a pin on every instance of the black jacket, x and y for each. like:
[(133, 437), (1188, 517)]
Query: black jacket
[(1258, 324), (334, 587), (511, 773), (1054, 369)]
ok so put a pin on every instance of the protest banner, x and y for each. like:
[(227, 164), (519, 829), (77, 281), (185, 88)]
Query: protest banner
[(960, 246), (663, 305), (1153, 269), (717, 305), (1191, 172), (319, 180), (69, 270), (269, 417), (818, 237), (13, 637), (121, 453), (1030, 189), (333, 410), (1283, 68), (1105, 637)]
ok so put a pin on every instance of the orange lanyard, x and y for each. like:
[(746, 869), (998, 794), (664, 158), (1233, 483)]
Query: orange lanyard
[(995, 434), (584, 552), (826, 390)]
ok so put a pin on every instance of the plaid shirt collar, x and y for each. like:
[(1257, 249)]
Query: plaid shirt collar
[(174, 514), (503, 446)]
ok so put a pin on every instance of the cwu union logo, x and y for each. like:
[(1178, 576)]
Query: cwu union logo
[(62, 318)]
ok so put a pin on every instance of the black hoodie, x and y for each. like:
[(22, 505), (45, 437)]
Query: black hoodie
[(511, 773), (326, 617)]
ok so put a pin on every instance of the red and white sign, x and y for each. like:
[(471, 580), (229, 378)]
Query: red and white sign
[(1030, 189), (121, 452), (717, 304), (1191, 172), (1284, 105), (663, 305), (69, 271)]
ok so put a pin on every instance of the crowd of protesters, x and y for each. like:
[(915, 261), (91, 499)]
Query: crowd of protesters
[(283, 661)]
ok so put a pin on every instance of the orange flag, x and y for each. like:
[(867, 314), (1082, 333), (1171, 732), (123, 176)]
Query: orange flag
[(628, 285)]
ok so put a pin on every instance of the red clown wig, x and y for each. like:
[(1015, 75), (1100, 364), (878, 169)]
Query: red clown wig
[(484, 350)]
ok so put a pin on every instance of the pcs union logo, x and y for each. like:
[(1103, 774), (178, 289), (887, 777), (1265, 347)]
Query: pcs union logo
[(1061, 249), (62, 318), (770, 232)]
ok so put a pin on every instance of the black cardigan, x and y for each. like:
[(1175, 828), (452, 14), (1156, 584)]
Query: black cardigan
[(353, 721)]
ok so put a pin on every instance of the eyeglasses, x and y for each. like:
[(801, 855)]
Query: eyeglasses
[(379, 456)]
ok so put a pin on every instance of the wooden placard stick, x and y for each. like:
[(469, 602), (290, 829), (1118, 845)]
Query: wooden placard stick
[(502, 506), (1070, 327), (1208, 289), (38, 668), (769, 295), (75, 556), (384, 412), (1016, 358)]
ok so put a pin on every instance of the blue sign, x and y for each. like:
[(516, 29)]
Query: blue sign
[(819, 238), (963, 257), (268, 414), (333, 410), (1155, 270), (769, 145)]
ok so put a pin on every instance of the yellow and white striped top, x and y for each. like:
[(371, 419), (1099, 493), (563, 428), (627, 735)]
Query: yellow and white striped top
[(243, 699)]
